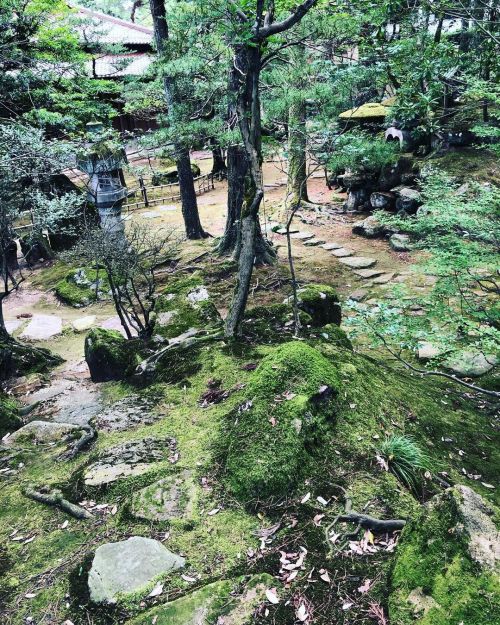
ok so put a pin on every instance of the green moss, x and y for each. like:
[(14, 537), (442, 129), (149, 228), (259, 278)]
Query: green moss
[(273, 322), (18, 358), (182, 286), (9, 418), (82, 286), (266, 441), (321, 302), (110, 356), (233, 601), (335, 336), (433, 562)]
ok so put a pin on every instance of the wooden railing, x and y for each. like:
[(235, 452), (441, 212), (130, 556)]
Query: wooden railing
[(152, 195)]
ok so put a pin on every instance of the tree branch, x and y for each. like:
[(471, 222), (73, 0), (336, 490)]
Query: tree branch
[(288, 22)]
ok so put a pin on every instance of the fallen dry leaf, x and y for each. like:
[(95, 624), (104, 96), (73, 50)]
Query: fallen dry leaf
[(271, 595), (301, 613), (365, 587), (305, 498), (213, 512), (157, 590)]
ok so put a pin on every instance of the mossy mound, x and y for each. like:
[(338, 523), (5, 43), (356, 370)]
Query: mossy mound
[(273, 322), (183, 305), (109, 355), (321, 302), (447, 564), (231, 602), (9, 418), (81, 287), (22, 359), (333, 335), (267, 440)]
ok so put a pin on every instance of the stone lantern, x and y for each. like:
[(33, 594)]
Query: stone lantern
[(102, 160)]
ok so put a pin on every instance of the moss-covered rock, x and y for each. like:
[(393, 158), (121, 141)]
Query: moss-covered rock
[(21, 359), (321, 302), (109, 355), (9, 418), (335, 336), (183, 305), (267, 441), (272, 322), (80, 287), (231, 602), (447, 563)]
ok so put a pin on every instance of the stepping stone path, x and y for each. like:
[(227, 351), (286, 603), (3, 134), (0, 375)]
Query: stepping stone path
[(369, 273), (313, 242), (331, 246), (42, 328), (130, 459), (342, 252), (302, 236), (169, 498), (358, 262), (41, 432), (83, 323), (127, 566), (384, 278)]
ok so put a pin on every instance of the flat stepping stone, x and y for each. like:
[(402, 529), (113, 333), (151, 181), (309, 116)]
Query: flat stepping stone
[(129, 459), (169, 498), (302, 236), (384, 278), (114, 323), (359, 295), (313, 242), (331, 246), (342, 253), (12, 325), (292, 230), (41, 432), (358, 262), (150, 214), (167, 207), (366, 274), (42, 328), (127, 566), (83, 323)]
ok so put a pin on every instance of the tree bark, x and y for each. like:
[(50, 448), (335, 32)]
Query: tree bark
[(297, 159), (190, 213)]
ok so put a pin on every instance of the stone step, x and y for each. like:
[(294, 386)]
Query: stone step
[(302, 236), (384, 278), (366, 274), (358, 295), (331, 246), (42, 328), (359, 262), (313, 242), (342, 253)]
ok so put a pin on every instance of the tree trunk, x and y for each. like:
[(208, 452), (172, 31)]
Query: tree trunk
[(297, 158), (188, 196), (219, 168)]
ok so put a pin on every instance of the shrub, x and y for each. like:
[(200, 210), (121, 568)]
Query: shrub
[(359, 152), (405, 459)]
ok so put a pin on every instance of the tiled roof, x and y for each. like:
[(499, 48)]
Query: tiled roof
[(114, 30), (116, 65)]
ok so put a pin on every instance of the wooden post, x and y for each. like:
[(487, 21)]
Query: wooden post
[(143, 191)]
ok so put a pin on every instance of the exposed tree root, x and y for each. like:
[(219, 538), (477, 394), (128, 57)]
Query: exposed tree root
[(378, 526), (89, 434), (55, 498)]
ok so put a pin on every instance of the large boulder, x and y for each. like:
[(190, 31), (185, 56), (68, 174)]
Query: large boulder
[(170, 498), (21, 359), (265, 443), (382, 200), (369, 228), (321, 303), (471, 363), (447, 564), (400, 242), (82, 286), (128, 566), (109, 355), (42, 432), (408, 199)]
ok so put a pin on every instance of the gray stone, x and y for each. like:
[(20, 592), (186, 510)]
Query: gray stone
[(199, 294), (302, 236), (128, 566), (293, 230), (42, 432), (427, 350), (114, 323), (359, 262), (366, 274), (127, 460), (169, 498), (83, 323), (369, 228), (471, 363), (313, 242), (382, 200), (384, 278), (42, 328), (342, 252), (126, 413), (11, 325), (359, 295), (408, 199), (400, 242), (331, 246)]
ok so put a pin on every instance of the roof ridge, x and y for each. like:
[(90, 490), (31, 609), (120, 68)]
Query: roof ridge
[(111, 18)]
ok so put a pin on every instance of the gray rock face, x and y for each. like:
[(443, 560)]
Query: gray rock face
[(427, 350), (382, 200), (359, 262), (369, 228), (169, 498), (42, 328), (129, 459), (128, 566), (200, 294), (400, 242), (42, 432), (408, 199), (471, 363)]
